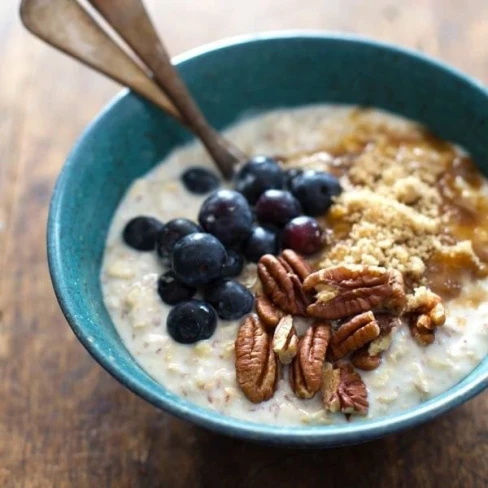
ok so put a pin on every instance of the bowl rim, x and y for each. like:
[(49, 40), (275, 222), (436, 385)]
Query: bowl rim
[(311, 436)]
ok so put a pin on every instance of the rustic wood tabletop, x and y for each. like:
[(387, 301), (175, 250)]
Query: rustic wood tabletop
[(64, 422)]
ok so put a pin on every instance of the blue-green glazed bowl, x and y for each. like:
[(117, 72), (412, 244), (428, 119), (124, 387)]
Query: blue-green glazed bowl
[(228, 79)]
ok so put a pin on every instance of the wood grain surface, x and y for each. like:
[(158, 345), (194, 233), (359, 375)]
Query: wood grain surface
[(64, 422)]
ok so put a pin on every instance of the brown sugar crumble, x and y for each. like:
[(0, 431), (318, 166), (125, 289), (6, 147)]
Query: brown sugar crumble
[(411, 202)]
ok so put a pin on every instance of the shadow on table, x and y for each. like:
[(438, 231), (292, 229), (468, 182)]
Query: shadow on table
[(429, 455), (116, 439)]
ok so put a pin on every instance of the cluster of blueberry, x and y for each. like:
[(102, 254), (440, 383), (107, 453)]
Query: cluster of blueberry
[(207, 256)]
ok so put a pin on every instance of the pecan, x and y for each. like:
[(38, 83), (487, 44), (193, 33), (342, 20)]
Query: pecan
[(362, 359), (347, 290), (282, 286), (423, 337), (387, 322), (423, 300), (306, 368), (369, 357), (428, 307), (285, 340), (343, 390), (269, 314), (257, 370), (426, 312), (382, 343), (330, 385), (295, 264), (354, 334), (301, 297), (297, 381)]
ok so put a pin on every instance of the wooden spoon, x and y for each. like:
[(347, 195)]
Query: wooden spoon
[(66, 25), (130, 20)]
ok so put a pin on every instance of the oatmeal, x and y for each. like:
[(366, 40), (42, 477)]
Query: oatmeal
[(389, 312)]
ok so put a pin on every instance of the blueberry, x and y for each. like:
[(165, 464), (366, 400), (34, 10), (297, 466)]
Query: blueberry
[(262, 241), (230, 299), (258, 175), (277, 207), (191, 321), (173, 231), (197, 259), (314, 190), (173, 291), (233, 265), (199, 180), (303, 235), (290, 174), (226, 215), (140, 233)]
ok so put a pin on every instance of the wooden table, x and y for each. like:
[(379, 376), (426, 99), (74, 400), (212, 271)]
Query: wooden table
[(64, 421)]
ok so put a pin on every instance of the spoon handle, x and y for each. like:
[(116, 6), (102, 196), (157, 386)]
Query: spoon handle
[(65, 25), (132, 23)]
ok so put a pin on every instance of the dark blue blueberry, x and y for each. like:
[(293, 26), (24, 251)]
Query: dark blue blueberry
[(303, 235), (191, 321), (290, 174), (258, 175), (173, 231), (233, 265), (197, 259), (314, 190), (230, 299), (226, 215), (200, 180), (277, 207), (262, 241), (173, 291), (140, 233)]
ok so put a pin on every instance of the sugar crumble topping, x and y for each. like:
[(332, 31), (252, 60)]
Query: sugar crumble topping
[(393, 203)]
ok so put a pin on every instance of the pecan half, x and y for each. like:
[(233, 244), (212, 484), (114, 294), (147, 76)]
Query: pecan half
[(347, 290), (362, 359), (426, 313), (295, 264), (306, 368), (423, 300), (422, 337), (257, 370), (301, 297), (285, 340), (269, 314), (382, 343), (282, 286), (387, 322), (343, 390), (330, 385), (428, 307), (369, 357), (354, 334)]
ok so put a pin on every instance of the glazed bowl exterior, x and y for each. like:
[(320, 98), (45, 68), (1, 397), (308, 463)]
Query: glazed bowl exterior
[(231, 79)]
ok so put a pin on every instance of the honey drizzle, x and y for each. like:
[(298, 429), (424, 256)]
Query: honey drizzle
[(464, 207), (465, 211)]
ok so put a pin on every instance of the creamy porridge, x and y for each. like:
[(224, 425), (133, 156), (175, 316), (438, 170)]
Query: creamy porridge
[(410, 205)]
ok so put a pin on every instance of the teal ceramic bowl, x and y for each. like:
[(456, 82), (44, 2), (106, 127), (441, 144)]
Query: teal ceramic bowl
[(228, 79)]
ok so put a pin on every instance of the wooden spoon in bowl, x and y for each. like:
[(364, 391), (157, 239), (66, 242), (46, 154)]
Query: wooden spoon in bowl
[(68, 26)]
